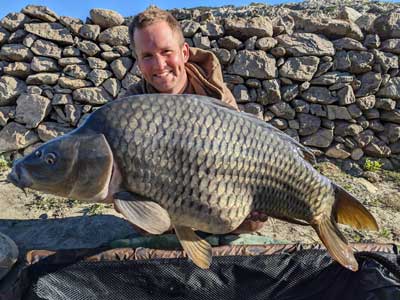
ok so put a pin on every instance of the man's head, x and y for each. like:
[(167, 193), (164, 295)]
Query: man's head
[(159, 46)]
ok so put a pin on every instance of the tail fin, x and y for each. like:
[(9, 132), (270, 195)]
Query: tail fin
[(348, 210), (335, 242)]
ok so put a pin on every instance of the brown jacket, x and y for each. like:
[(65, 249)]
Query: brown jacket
[(205, 78)]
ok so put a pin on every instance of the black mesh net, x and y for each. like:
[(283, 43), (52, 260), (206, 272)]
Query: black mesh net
[(306, 274)]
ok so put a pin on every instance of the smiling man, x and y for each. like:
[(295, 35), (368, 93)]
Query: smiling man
[(168, 64)]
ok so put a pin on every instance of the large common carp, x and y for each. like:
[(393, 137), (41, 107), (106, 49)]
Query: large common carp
[(192, 163)]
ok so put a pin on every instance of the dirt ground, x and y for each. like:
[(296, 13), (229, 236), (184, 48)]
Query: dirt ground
[(381, 197)]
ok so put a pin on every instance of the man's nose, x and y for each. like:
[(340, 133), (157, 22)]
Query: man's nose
[(159, 62)]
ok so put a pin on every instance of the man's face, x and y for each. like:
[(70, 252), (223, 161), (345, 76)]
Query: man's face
[(160, 57)]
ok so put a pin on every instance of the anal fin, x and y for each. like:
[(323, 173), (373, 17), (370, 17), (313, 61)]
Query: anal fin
[(198, 250), (144, 213), (335, 242)]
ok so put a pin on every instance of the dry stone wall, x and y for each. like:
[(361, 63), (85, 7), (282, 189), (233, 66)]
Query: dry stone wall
[(331, 81)]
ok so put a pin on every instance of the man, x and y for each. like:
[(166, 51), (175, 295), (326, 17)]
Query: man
[(170, 66)]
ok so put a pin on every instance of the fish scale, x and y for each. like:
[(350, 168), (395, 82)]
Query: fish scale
[(196, 153)]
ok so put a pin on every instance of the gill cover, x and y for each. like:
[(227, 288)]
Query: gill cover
[(93, 168)]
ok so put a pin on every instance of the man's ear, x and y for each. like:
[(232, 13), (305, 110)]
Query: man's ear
[(185, 52)]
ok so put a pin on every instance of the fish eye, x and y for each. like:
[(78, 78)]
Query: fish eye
[(50, 158), (38, 153)]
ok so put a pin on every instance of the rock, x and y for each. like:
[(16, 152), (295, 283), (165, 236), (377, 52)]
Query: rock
[(106, 18), (347, 129), (112, 86), (10, 89), (51, 130), (14, 21), (372, 176), (360, 61), (272, 91), (349, 14), (364, 138), (6, 113), (377, 149), (366, 22), (71, 51), (385, 104), (332, 78), (246, 28), (266, 43), (51, 31), (256, 64), (372, 41), (40, 12), (46, 48), (354, 111), (44, 64), (212, 30), (90, 32), (299, 44), (109, 56), (77, 71), (95, 95), (17, 36), (4, 35), (348, 44), (318, 110), (89, 48), (391, 116), (229, 42), (369, 186), (121, 66), (365, 103), (290, 92), (300, 68), (387, 25), (337, 151), (370, 83), (96, 63), (372, 113), (32, 109), (15, 136), (114, 36), (392, 131), (71, 61), (283, 110), (338, 113), (308, 124), (43, 78), (73, 84), (223, 55), (300, 106), (391, 89), (279, 123), (8, 254), (321, 139), (241, 93), (391, 45), (61, 99), (189, 28), (334, 28), (346, 96), (357, 154), (386, 60), (73, 113), (17, 69), (98, 76), (320, 95), (15, 52)]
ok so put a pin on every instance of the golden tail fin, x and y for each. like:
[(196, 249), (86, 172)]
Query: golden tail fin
[(348, 210), (335, 242)]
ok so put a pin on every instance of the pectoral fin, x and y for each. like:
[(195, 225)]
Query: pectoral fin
[(198, 250), (144, 213)]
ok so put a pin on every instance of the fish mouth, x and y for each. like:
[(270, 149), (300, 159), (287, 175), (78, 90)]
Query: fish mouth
[(19, 177)]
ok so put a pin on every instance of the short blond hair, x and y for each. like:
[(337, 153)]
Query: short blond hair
[(152, 15)]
